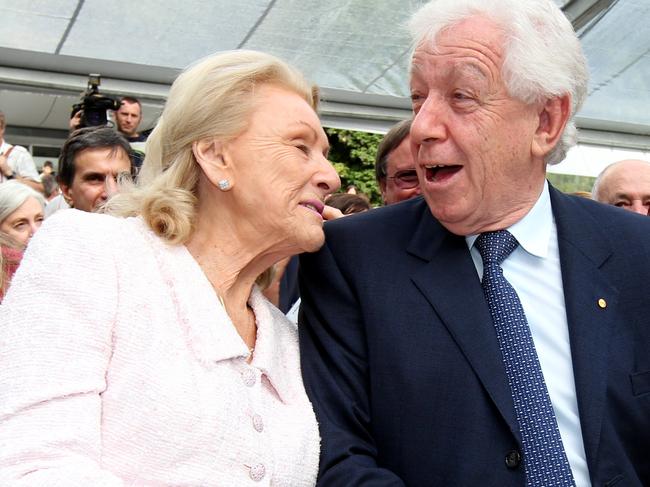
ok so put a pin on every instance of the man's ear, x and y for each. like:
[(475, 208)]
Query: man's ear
[(382, 188), (65, 191), (553, 116), (209, 154)]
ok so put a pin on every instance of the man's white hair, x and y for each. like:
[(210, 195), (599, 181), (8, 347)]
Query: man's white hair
[(542, 59)]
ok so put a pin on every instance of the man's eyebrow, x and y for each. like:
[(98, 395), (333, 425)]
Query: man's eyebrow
[(92, 175), (471, 69)]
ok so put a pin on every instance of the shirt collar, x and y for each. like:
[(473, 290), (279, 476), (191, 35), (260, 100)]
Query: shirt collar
[(276, 347), (533, 231)]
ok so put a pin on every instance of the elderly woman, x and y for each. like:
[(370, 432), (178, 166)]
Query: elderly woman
[(165, 366), (21, 214)]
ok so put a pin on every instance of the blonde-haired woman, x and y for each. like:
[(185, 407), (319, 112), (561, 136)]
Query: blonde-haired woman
[(164, 364)]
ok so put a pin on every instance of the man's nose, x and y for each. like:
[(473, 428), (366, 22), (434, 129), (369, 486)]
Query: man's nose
[(639, 207), (429, 123)]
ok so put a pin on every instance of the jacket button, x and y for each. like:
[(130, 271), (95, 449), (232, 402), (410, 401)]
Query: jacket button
[(513, 459)]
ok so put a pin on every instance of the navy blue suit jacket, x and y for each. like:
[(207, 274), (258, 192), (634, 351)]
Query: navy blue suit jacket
[(401, 361)]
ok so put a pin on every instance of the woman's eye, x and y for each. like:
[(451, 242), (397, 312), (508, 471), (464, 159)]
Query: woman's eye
[(303, 148)]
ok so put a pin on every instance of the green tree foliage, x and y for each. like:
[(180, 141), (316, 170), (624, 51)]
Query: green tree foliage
[(569, 183), (353, 156)]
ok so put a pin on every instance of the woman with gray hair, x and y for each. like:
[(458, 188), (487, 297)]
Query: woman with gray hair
[(21, 211), (165, 364), (21, 214)]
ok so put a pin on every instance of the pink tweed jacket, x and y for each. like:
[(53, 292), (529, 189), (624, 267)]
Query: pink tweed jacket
[(119, 367)]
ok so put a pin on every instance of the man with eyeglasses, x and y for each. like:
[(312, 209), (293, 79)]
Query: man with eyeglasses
[(395, 167)]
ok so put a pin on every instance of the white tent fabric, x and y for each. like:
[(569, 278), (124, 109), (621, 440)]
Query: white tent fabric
[(356, 50)]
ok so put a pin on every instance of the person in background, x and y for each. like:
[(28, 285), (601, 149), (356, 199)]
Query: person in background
[(16, 162), (625, 184), (164, 364), (91, 162), (496, 331), (50, 187), (21, 211), (395, 166), (10, 256), (21, 215), (127, 120), (349, 203), (47, 169)]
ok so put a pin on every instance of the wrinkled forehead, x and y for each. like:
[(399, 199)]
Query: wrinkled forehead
[(474, 41)]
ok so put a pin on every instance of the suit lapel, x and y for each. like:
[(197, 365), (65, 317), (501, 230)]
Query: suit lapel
[(449, 282), (583, 251)]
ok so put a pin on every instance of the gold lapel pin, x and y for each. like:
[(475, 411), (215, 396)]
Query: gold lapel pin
[(602, 303)]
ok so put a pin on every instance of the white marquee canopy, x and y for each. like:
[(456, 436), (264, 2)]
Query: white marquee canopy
[(356, 50)]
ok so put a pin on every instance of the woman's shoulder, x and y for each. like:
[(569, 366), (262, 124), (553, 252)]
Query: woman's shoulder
[(73, 231)]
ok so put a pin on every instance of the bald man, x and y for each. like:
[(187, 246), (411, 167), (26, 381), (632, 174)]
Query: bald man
[(625, 184)]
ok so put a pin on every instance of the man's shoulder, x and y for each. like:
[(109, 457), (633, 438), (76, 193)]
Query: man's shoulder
[(18, 150), (404, 215), (602, 218)]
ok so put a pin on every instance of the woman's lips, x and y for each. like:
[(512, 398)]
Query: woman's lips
[(313, 205)]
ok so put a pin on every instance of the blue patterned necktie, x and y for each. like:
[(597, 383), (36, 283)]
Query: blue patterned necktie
[(545, 460)]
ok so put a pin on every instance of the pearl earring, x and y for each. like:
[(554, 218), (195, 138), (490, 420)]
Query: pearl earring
[(224, 185)]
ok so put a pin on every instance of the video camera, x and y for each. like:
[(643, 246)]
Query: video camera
[(93, 105)]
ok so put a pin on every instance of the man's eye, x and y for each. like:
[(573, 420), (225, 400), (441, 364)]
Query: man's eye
[(461, 96), (303, 148)]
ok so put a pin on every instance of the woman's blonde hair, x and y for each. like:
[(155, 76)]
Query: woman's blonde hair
[(212, 98)]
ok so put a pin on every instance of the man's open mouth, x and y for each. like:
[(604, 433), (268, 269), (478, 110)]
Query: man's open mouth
[(441, 172)]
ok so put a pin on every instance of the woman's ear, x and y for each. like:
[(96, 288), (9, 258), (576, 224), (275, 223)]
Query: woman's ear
[(209, 154), (553, 117)]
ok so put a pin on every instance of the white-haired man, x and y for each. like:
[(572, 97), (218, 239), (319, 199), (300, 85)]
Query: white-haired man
[(494, 333), (625, 184)]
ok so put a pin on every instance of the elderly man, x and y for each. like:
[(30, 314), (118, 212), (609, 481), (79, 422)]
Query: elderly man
[(496, 332), (625, 184), (395, 166), (91, 161)]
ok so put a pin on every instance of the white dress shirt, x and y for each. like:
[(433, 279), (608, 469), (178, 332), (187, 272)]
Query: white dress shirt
[(533, 269)]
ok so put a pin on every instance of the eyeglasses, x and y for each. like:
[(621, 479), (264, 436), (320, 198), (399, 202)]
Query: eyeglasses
[(407, 179)]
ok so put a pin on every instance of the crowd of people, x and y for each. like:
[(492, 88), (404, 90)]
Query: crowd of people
[(202, 306)]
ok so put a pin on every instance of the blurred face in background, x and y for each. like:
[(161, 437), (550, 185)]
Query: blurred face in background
[(128, 118), (401, 181), (23, 222), (627, 185), (95, 177)]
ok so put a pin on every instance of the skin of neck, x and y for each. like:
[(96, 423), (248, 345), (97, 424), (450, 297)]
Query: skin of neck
[(231, 253)]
